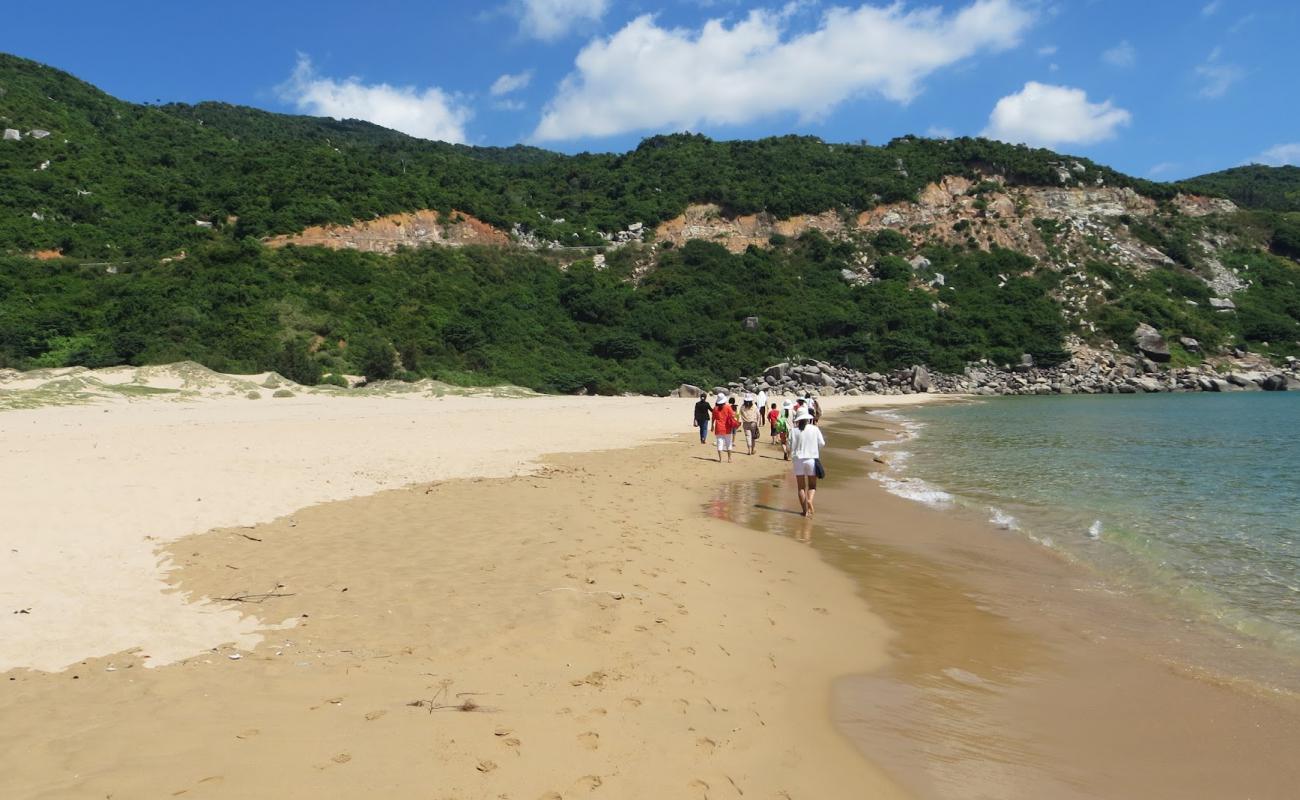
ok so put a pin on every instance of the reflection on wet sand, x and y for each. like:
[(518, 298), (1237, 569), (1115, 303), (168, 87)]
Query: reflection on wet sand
[(1012, 676)]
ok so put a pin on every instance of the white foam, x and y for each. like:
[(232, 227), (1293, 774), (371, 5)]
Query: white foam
[(914, 489), (1002, 520), (1094, 530)]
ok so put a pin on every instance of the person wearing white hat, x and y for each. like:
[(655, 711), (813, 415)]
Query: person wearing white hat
[(749, 418), (806, 441), (724, 425)]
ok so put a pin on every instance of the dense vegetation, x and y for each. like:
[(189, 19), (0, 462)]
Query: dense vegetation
[(1255, 186), (125, 180), (474, 315)]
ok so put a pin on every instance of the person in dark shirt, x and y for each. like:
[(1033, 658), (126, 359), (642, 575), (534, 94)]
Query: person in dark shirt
[(702, 416)]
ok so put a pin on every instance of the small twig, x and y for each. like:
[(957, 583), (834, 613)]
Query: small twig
[(254, 598), (250, 538)]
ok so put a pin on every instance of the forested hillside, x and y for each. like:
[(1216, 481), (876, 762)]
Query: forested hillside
[(150, 221), (132, 180)]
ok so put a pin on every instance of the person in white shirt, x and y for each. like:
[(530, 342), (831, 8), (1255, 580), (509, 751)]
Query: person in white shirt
[(806, 441)]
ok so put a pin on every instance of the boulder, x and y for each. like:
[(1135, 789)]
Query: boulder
[(1274, 383), (1148, 385), (777, 372), (751, 323), (1244, 380), (1151, 343), (1189, 344), (686, 390), (12, 135), (1222, 304), (920, 378)]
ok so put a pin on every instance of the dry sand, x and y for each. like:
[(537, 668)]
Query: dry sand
[(608, 638), (91, 491)]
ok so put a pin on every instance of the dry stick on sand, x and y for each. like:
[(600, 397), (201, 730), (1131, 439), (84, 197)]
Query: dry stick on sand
[(256, 597)]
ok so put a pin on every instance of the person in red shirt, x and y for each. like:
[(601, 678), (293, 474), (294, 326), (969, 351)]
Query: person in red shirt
[(772, 417), (724, 426)]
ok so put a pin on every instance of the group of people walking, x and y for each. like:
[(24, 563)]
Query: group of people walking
[(794, 425)]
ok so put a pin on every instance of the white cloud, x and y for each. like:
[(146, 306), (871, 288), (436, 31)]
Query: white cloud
[(510, 105), (1047, 50), (940, 132), (1217, 77), (1211, 8), (511, 83), (1163, 168), (647, 77), (1041, 114), (428, 114), (1280, 154), (549, 20), (1121, 55)]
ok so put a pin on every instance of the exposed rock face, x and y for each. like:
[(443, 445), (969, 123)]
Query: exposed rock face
[(1151, 343), (686, 390), (738, 233), (955, 210), (386, 234)]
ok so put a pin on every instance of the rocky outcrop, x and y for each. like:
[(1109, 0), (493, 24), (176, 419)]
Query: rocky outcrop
[(1088, 372), (387, 234), (707, 222), (957, 210)]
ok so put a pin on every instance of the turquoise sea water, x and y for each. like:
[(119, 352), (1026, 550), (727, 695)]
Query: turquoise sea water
[(1192, 498)]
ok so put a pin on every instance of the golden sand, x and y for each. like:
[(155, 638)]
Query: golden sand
[(579, 631)]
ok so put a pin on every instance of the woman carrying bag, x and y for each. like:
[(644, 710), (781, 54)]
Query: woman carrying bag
[(806, 442)]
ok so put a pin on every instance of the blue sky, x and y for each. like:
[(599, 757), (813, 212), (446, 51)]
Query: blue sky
[(1160, 89)]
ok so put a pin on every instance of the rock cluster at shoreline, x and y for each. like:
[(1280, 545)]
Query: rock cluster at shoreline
[(1086, 373)]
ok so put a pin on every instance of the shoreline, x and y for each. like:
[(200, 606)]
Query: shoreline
[(1015, 674), (584, 611)]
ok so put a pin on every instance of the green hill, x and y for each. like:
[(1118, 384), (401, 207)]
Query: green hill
[(132, 179), (1033, 247), (1255, 186)]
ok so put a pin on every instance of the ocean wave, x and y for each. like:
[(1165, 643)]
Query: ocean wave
[(1094, 530), (914, 489)]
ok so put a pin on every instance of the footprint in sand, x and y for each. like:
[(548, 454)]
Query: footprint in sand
[(589, 740), (631, 702), (512, 743), (706, 745), (551, 796), (486, 766), (699, 789), (341, 758), (371, 716), (247, 734), (589, 782)]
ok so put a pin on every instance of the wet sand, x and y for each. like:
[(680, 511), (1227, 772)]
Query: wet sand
[(1015, 674), (581, 631)]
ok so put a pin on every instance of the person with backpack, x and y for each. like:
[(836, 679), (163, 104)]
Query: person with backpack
[(783, 424), (806, 442)]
